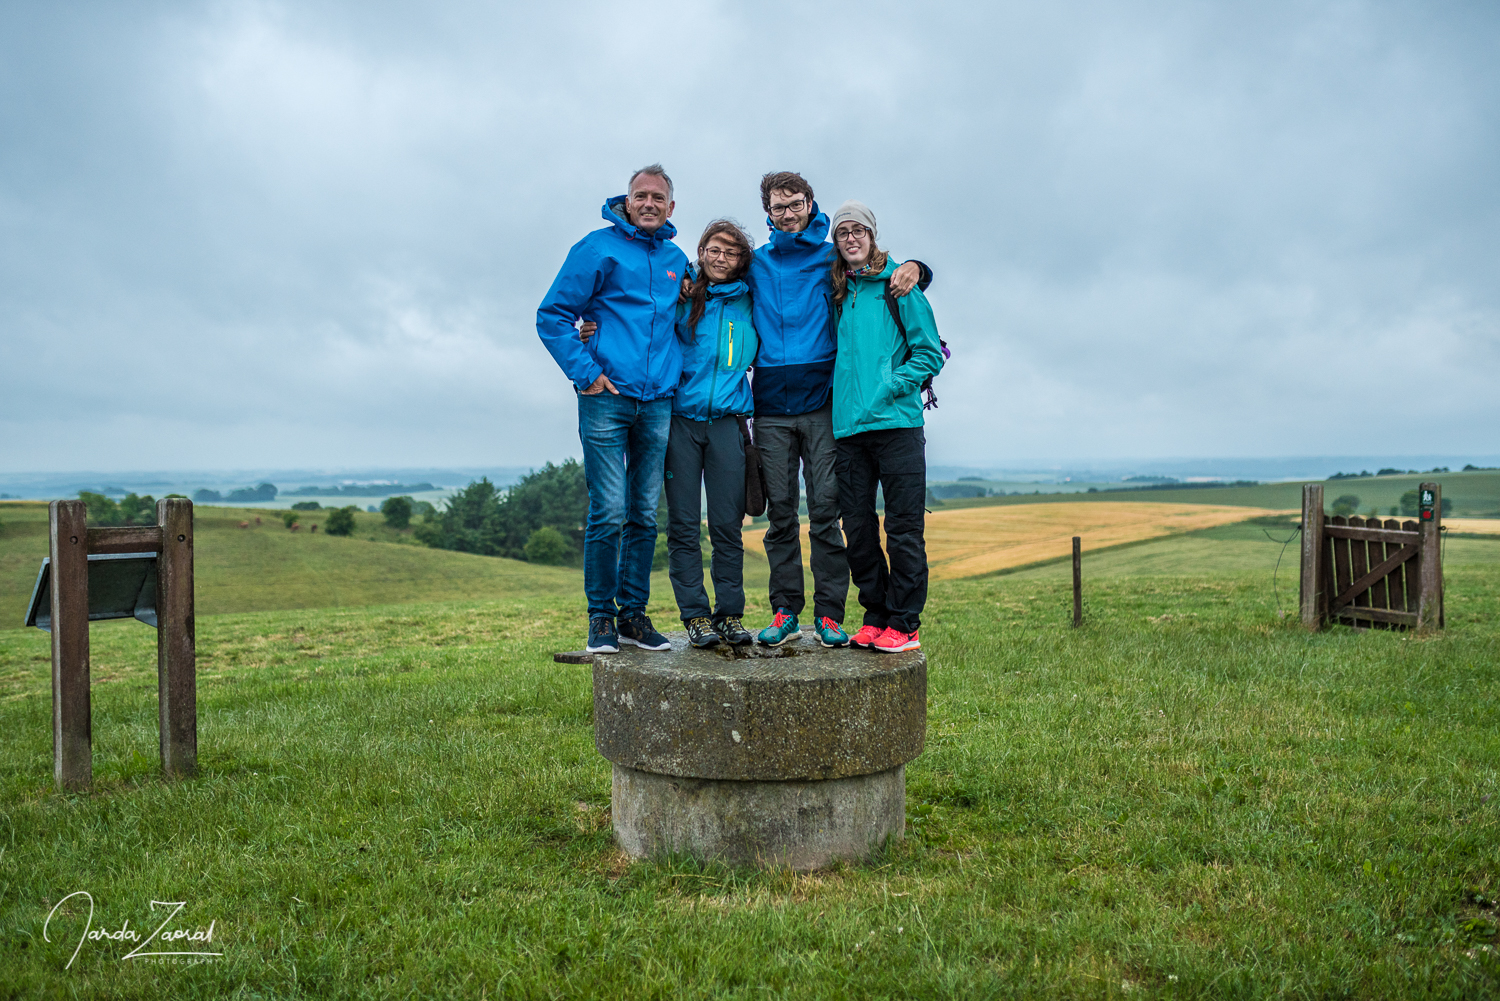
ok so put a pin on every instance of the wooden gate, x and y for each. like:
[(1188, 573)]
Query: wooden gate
[(1372, 573)]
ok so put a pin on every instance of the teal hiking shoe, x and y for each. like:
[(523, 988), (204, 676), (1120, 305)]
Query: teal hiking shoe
[(782, 628), (830, 633)]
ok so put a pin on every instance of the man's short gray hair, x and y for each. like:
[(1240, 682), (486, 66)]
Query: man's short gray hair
[(655, 170)]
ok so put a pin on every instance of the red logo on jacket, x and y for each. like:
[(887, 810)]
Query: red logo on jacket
[(672, 275)]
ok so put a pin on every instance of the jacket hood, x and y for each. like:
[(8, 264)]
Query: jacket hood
[(614, 213), (728, 290), (815, 233)]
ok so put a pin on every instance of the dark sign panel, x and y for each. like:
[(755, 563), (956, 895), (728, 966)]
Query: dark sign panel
[(121, 586)]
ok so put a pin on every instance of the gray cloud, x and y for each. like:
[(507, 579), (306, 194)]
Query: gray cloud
[(237, 234)]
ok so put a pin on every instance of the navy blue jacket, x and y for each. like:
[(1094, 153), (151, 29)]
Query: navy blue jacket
[(789, 279), (627, 281)]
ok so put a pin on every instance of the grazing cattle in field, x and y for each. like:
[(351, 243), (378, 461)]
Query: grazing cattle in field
[(257, 519), (294, 526), (244, 524), (314, 527)]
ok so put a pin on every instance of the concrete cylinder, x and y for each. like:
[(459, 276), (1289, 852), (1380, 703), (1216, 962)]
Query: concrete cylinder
[(789, 756)]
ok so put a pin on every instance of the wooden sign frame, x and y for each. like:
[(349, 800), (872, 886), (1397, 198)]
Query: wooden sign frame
[(71, 543)]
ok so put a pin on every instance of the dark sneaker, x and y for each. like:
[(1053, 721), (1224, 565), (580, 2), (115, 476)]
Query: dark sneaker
[(894, 641), (782, 628), (830, 633), (733, 630), (701, 632), (866, 637), (638, 630), (602, 635)]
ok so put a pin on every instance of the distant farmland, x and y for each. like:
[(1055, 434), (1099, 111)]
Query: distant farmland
[(1474, 494)]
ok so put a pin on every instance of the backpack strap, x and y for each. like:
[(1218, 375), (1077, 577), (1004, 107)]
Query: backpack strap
[(929, 397)]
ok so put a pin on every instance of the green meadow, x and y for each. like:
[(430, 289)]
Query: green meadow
[(399, 797), (1474, 494)]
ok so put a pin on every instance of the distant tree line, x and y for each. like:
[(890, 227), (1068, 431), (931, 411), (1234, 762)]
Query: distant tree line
[(1176, 486), (540, 519), (1390, 471), (129, 510), (362, 490), (244, 495), (1410, 505)]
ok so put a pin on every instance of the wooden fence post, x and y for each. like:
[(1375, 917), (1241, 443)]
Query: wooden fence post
[(1313, 602), (1077, 581), (1430, 565), (72, 736), (176, 639)]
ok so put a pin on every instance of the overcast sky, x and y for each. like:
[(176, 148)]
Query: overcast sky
[(315, 234)]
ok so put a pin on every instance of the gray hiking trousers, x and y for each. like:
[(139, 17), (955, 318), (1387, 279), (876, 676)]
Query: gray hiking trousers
[(786, 444)]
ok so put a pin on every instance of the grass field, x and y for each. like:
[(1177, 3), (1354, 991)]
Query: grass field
[(1474, 494), (977, 541), (267, 567), (1188, 798), (970, 542)]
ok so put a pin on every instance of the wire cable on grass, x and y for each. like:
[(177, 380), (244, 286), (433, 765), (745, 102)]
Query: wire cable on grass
[(1275, 591)]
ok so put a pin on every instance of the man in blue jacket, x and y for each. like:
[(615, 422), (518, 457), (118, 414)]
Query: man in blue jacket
[(793, 384), (624, 277)]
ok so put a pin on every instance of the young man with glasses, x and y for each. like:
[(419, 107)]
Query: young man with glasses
[(625, 277), (793, 386)]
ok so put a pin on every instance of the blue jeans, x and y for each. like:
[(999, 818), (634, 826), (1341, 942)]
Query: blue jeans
[(624, 451)]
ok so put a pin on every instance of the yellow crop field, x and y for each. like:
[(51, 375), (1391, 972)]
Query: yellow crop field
[(1473, 526), (973, 541)]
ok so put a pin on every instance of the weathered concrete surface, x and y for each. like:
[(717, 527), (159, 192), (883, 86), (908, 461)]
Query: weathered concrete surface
[(801, 825), (797, 712)]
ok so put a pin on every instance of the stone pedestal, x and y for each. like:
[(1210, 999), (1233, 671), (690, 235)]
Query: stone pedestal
[(793, 756)]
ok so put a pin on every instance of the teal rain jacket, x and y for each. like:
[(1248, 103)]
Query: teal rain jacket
[(627, 281), (716, 355), (875, 384)]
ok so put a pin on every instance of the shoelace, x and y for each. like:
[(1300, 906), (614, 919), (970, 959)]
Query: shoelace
[(701, 623), (781, 618)]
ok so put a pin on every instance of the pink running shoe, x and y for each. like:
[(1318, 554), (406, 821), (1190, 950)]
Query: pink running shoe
[(866, 637), (895, 641)]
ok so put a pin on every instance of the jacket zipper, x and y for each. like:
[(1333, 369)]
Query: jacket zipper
[(713, 382)]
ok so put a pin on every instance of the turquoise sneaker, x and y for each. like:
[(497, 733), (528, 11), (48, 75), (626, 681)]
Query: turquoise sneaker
[(830, 633), (782, 628)]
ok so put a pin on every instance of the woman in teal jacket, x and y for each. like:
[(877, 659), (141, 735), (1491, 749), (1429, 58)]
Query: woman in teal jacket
[(877, 427), (705, 451)]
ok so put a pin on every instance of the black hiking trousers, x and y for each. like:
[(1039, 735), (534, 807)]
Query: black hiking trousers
[(706, 457), (895, 459), (789, 445)]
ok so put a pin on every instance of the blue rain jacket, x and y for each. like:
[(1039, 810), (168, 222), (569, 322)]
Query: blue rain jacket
[(716, 354), (794, 318), (791, 288), (627, 281)]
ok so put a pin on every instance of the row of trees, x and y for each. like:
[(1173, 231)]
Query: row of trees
[(1410, 505), (243, 495), (540, 519), (129, 510)]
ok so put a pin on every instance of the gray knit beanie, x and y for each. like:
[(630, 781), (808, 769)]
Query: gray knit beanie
[(852, 211)]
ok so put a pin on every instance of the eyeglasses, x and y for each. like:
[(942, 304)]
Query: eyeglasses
[(793, 207), (715, 253), (852, 233)]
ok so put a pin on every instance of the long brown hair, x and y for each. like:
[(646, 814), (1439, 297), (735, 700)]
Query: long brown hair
[(698, 291), (839, 270)]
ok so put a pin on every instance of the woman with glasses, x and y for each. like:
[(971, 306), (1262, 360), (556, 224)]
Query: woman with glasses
[(887, 348), (705, 451)]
